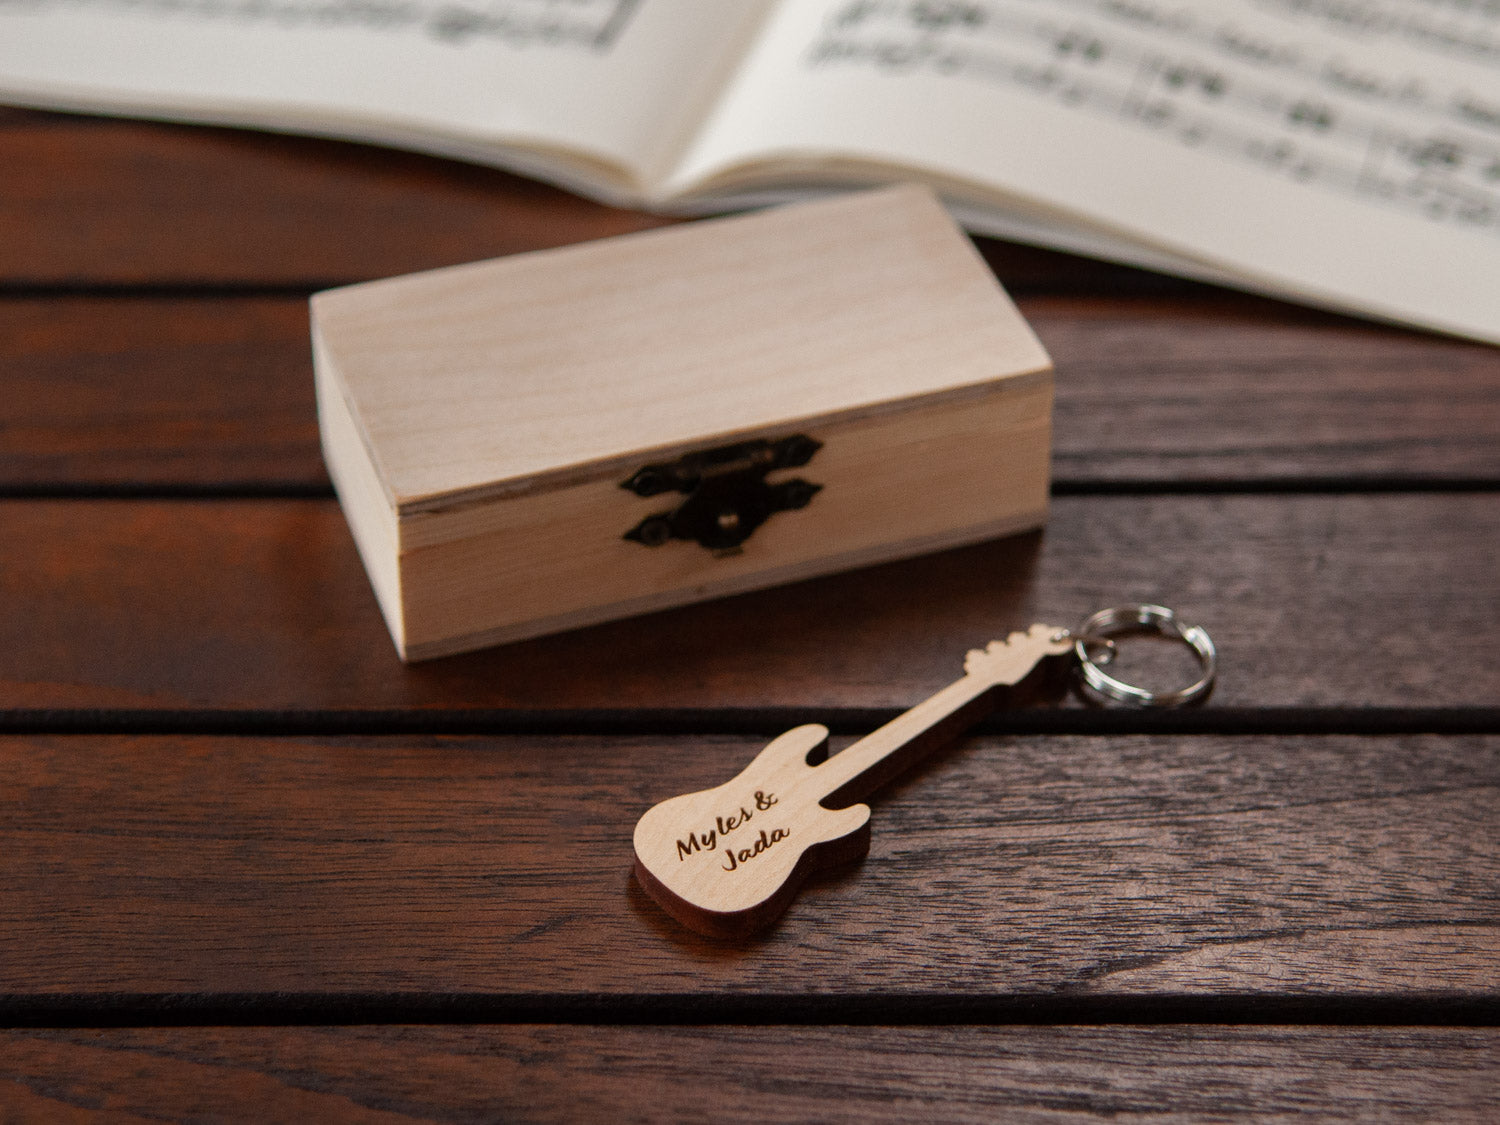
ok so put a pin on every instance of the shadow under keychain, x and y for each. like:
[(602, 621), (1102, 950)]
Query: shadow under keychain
[(728, 861)]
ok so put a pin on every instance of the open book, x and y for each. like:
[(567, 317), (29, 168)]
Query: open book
[(1345, 153)]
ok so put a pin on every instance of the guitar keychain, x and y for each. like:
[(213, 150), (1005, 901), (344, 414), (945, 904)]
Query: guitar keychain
[(727, 861)]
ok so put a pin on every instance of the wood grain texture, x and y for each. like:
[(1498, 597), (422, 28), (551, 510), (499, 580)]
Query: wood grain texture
[(1069, 867), (699, 857), (211, 393), (897, 1075), (143, 392), (1228, 872), (88, 201), (1329, 601), (522, 370), (894, 485), (478, 421), (1236, 389)]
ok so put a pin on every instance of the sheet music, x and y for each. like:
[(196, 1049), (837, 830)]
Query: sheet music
[(1344, 151), (618, 81), (587, 25), (1421, 140)]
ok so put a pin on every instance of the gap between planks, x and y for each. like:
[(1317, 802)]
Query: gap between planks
[(864, 1009), (293, 490), (1111, 721)]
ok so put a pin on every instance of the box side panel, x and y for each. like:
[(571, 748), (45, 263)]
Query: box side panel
[(369, 512), (893, 486)]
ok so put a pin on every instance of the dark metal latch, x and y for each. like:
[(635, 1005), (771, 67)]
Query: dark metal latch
[(728, 496)]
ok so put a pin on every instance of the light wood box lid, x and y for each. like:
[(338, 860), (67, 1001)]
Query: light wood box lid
[(538, 370)]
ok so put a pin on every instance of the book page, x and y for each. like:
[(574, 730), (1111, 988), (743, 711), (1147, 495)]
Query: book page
[(616, 83), (1345, 152)]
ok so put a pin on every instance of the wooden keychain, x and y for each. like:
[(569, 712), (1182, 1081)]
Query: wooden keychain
[(727, 861)]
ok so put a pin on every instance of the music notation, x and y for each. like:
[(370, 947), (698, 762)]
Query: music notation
[(590, 25), (1461, 29), (1323, 117)]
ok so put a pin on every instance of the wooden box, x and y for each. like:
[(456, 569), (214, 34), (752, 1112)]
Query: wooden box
[(563, 437)]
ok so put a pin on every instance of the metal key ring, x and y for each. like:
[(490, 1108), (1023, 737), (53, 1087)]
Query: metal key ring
[(1097, 630)]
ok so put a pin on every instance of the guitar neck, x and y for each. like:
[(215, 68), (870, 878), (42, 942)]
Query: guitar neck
[(868, 764)]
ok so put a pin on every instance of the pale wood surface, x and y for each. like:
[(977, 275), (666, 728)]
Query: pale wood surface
[(501, 376), (891, 486), (794, 1074), (700, 857), (478, 421)]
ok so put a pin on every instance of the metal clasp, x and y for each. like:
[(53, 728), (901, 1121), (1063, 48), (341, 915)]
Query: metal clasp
[(728, 496)]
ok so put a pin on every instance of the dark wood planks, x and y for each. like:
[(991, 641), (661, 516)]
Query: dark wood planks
[(958, 1074), (120, 203), (1317, 601), (1066, 868), (217, 393), (1235, 389), (153, 392), (92, 203), (1137, 871)]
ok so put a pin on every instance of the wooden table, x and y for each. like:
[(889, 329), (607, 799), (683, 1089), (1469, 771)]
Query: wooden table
[(251, 866)]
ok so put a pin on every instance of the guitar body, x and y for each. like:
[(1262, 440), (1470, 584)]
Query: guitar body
[(727, 861)]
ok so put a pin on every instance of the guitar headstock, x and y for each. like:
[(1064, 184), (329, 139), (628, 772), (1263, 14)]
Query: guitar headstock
[(1008, 661)]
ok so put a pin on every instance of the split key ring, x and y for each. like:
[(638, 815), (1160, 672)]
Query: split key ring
[(1097, 633)]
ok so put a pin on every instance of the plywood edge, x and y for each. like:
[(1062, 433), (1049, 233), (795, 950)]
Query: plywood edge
[(366, 507), (623, 465), (891, 552)]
